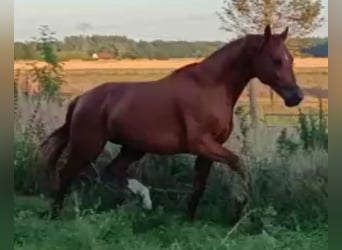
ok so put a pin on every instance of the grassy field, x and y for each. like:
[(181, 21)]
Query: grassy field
[(288, 210), (287, 172), (126, 229)]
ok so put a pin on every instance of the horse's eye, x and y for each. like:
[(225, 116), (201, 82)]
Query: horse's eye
[(277, 62)]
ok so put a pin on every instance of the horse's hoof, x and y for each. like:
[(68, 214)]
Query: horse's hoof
[(190, 217), (104, 177), (240, 210), (54, 214), (147, 204)]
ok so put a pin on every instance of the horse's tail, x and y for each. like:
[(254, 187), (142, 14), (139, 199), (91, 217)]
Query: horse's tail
[(52, 147)]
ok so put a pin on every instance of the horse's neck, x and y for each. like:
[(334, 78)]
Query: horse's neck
[(230, 66)]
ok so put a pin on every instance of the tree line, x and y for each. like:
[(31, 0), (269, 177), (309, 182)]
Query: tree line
[(121, 47)]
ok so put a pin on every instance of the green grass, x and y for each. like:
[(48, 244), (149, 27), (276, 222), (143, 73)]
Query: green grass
[(133, 229), (294, 189)]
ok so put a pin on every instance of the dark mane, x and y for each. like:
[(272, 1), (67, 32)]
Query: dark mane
[(249, 40), (185, 68), (229, 45), (190, 67)]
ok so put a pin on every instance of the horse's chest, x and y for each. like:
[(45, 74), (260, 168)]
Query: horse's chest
[(220, 127)]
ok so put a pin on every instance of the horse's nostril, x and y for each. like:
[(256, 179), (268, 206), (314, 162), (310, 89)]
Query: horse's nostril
[(300, 95)]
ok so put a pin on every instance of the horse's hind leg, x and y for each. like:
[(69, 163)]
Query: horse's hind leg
[(117, 170), (66, 176), (81, 155)]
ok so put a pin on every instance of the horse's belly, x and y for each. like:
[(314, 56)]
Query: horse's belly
[(147, 123), (148, 135), (161, 143)]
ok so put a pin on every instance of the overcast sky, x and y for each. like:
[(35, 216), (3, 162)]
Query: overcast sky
[(139, 19)]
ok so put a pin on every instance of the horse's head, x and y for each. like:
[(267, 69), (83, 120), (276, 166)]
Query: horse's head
[(273, 66)]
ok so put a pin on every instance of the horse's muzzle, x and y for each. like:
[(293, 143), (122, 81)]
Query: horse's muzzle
[(292, 96)]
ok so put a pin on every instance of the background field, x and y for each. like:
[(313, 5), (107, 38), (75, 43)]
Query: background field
[(312, 75), (158, 64)]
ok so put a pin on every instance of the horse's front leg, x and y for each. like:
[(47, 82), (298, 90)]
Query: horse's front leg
[(214, 151), (202, 170)]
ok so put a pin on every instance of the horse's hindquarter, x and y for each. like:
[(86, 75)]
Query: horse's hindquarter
[(145, 117)]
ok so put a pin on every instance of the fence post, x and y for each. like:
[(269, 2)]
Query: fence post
[(253, 109), (271, 99)]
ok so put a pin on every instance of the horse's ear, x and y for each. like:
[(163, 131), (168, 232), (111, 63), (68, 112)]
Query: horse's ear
[(267, 33), (267, 37), (285, 33)]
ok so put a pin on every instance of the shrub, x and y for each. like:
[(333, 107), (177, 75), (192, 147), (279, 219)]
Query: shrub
[(29, 134)]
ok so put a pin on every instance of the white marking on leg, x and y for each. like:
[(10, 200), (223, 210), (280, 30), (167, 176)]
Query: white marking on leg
[(139, 189)]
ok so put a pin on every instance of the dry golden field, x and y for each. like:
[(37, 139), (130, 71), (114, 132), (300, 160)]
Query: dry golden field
[(312, 75), (158, 64)]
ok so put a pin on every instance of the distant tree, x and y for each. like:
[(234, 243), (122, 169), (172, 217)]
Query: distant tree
[(25, 51), (240, 17), (319, 49), (84, 27)]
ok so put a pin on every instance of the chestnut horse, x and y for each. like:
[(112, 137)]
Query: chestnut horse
[(189, 111)]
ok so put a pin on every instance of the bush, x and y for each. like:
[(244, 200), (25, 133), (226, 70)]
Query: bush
[(313, 131), (29, 132), (25, 159)]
